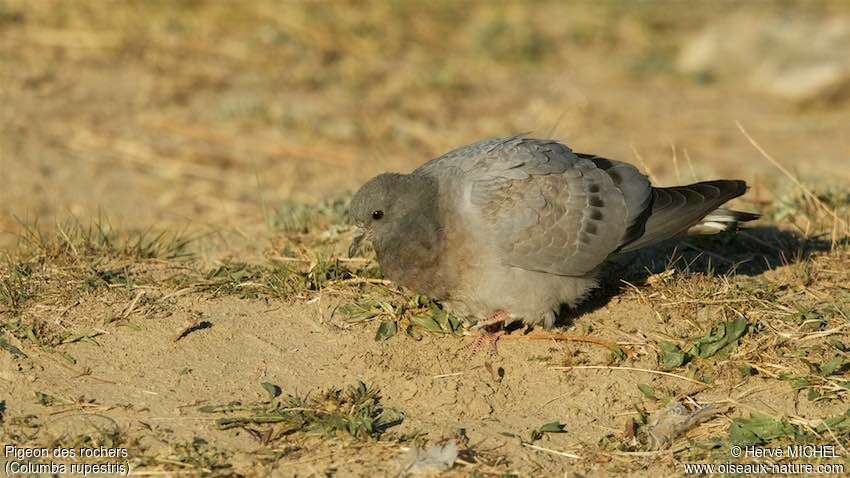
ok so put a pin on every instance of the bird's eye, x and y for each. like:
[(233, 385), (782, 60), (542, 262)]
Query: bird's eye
[(377, 214)]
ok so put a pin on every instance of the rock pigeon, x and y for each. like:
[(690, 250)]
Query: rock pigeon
[(511, 228)]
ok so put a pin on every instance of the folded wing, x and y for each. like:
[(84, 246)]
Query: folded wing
[(551, 210)]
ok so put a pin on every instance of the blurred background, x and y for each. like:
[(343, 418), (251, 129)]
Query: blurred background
[(209, 114)]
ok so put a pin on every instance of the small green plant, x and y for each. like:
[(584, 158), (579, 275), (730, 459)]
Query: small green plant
[(421, 315), (354, 412), (15, 289)]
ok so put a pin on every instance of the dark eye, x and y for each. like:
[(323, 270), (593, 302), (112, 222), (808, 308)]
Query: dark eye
[(377, 214)]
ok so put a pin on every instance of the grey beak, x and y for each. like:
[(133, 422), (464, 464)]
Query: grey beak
[(359, 235)]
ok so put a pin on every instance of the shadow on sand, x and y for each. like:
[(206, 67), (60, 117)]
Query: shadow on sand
[(749, 252)]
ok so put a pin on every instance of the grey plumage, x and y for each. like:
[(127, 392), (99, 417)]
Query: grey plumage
[(523, 225)]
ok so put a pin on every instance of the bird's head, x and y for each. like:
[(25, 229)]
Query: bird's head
[(387, 208)]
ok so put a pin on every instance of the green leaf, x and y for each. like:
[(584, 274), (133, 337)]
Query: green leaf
[(457, 327), (721, 339), (761, 429), (837, 344), (413, 332), (746, 370), (10, 348), (647, 391), (426, 322), (387, 329), (839, 424), (553, 427), (448, 323), (272, 389), (363, 310), (617, 356), (441, 317), (417, 301), (812, 395), (78, 337), (45, 399), (831, 367), (671, 355)]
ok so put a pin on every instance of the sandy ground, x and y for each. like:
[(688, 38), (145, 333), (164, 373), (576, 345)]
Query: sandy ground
[(220, 121)]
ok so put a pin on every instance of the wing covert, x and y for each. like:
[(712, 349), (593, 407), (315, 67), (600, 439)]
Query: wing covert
[(547, 208)]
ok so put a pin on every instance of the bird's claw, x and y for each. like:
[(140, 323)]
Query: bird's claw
[(486, 340)]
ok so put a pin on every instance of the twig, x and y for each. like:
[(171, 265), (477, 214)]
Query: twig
[(639, 453), (564, 337), (340, 259), (554, 452), (359, 280), (643, 163), (675, 162), (446, 375), (837, 441), (790, 176), (199, 325), (704, 302), (690, 163), (129, 309), (630, 369), (179, 292)]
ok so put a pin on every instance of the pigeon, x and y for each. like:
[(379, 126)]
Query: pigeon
[(510, 229)]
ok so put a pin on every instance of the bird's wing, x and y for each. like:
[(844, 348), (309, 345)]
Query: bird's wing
[(547, 208)]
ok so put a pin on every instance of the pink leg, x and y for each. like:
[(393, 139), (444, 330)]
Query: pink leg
[(498, 317), (487, 338)]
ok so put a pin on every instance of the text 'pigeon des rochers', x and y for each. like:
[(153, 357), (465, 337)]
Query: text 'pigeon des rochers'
[(511, 228)]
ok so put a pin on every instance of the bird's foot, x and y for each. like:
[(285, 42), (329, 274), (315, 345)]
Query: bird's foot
[(487, 338), (498, 317)]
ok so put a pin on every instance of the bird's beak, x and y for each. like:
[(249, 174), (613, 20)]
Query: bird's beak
[(359, 235)]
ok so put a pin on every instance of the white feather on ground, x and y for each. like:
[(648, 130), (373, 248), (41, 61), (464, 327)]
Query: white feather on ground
[(434, 459)]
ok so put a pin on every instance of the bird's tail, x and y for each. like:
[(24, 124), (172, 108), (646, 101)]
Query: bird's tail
[(719, 220), (692, 209)]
